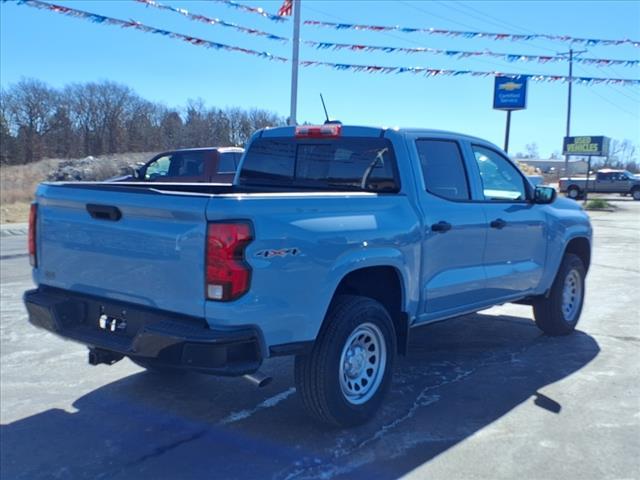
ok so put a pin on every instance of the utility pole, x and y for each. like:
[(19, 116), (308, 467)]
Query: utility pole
[(294, 62), (568, 131)]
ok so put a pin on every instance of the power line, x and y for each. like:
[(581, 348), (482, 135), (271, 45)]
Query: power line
[(633, 114), (435, 14), (411, 41), (494, 21), (613, 88)]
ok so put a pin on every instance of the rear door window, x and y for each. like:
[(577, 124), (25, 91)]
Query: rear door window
[(349, 163), (443, 169)]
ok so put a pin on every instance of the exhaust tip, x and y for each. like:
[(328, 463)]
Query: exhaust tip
[(258, 379)]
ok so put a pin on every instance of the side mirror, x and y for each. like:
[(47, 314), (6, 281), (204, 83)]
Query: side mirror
[(544, 195)]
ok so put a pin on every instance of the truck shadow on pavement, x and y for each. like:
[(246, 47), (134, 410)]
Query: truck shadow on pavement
[(459, 377)]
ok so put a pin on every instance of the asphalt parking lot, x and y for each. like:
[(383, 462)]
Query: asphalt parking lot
[(481, 396)]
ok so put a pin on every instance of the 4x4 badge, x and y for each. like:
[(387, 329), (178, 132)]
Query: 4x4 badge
[(283, 252)]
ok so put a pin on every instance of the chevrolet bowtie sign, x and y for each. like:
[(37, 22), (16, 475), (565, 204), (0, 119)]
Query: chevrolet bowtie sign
[(594, 146), (510, 93)]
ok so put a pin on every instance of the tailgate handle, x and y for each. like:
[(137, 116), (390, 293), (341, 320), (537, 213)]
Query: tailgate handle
[(104, 212)]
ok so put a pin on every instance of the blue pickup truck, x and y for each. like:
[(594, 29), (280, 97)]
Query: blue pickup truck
[(332, 243)]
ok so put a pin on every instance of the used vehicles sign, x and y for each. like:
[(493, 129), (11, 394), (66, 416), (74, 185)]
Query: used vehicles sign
[(594, 146)]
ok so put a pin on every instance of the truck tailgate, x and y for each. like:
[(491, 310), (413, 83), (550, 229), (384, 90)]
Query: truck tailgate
[(152, 255)]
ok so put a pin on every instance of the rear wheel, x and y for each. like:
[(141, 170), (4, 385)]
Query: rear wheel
[(635, 193), (573, 192), (345, 377), (559, 312)]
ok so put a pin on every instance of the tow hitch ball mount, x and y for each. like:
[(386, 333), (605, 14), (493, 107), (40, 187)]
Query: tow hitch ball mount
[(98, 356)]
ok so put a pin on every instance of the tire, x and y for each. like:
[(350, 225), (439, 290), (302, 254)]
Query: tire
[(635, 193), (559, 312), (573, 192), (345, 377)]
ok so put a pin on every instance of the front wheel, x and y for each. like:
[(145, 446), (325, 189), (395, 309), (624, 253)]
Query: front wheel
[(559, 312), (345, 377)]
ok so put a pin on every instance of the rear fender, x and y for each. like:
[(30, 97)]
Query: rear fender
[(374, 257)]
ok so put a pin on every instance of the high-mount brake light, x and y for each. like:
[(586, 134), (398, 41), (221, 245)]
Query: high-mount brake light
[(319, 131), (33, 216), (227, 273)]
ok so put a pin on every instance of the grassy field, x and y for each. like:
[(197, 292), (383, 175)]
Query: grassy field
[(18, 182)]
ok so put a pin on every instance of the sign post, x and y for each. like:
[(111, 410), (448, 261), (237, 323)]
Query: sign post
[(509, 94)]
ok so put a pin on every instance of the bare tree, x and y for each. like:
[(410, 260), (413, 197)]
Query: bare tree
[(621, 152), (105, 117), (31, 105), (532, 150)]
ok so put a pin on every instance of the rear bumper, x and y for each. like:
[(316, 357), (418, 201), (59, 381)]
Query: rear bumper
[(166, 338)]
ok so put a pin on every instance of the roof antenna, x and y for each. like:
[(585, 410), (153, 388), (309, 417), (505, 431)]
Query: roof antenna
[(325, 110), (327, 121)]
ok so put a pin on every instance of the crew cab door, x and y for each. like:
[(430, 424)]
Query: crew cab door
[(453, 241), (515, 249), (605, 182)]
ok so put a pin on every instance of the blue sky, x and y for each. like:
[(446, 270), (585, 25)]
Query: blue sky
[(61, 50)]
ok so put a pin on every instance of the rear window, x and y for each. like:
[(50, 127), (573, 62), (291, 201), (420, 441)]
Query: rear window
[(228, 162), (350, 163)]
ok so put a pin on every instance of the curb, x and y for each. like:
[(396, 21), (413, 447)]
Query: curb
[(13, 229)]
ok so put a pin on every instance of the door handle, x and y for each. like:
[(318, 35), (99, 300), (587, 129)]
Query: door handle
[(498, 223), (441, 227), (104, 212)]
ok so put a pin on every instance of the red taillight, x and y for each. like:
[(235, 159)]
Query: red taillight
[(319, 131), (228, 275), (33, 215)]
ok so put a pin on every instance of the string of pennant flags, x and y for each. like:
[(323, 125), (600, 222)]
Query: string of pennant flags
[(589, 42), (426, 71), (133, 24), (211, 21), (435, 72), (280, 17), (509, 57)]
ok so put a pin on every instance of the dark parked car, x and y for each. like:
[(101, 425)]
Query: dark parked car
[(210, 165)]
